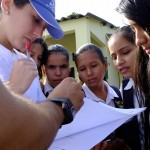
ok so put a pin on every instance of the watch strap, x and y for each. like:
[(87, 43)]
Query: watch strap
[(67, 107)]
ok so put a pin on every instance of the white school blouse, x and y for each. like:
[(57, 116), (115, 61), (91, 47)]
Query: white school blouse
[(7, 59), (110, 95), (47, 88)]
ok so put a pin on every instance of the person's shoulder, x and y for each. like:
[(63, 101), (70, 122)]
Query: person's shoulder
[(116, 89), (118, 101), (112, 89), (47, 88), (125, 81), (19, 54), (5, 52), (127, 84)]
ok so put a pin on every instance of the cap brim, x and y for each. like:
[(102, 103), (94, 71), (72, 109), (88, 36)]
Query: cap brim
[(53, 27)]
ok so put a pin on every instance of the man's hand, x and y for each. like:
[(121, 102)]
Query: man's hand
[(69, 88)]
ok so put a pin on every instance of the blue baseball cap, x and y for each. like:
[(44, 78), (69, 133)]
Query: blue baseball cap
[(46, 10)]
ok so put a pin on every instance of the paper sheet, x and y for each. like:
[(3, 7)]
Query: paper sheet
[(96, 120)]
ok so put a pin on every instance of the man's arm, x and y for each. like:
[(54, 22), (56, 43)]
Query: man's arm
[(25, 125)]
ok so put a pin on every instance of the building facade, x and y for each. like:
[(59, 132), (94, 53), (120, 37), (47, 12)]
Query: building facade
[(81, 29)]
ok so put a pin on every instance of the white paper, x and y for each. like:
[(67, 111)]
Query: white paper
[(92, 124)]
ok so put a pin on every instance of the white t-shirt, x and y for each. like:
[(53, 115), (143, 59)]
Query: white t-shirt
[(110, 95), (7, 59)]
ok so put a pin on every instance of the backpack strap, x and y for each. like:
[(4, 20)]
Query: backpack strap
[(118, 101)]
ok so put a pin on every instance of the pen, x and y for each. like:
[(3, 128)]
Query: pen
[(28, 49)]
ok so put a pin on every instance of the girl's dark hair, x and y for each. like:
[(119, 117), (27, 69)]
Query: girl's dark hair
[(56, 48), (43, 44), (126, 32), (136, 10), (141, 71), (19, 3), (89, 47)]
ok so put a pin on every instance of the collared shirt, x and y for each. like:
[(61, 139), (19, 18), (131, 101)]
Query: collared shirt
[(110, 95), (47, 88), (129, 85)]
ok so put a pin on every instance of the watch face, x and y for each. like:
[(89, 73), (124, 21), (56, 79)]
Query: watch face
[(68, 109)]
